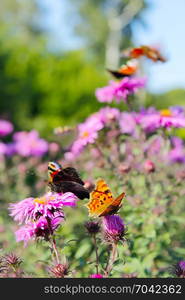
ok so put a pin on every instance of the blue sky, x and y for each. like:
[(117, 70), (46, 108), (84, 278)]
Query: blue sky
[(165, 21)]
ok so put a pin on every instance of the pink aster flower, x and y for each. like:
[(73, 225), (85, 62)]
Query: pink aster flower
[(5, 127), (42, 228), (87, 134), (119, 90), (29, 144), (30, 209)]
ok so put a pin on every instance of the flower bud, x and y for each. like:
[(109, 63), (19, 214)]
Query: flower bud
[(92, 227), (149, 166), (59, 270)]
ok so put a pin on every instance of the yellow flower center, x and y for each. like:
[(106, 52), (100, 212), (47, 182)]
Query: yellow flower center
[(85, 134), (165, 113), (43, 200)]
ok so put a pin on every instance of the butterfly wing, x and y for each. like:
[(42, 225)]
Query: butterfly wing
[(67, 174), (114, 206), (72, 174), (102, 202), (117, 74), (101, 198), (69, 186)]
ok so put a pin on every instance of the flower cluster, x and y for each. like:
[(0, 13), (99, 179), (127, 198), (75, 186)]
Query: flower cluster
[(151, 119), (42, 216), (119, 123), (88, 131)]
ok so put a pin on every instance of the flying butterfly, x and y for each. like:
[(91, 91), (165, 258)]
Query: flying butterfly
[(102, 202), (147, 51), (125, 70), (62, 180)]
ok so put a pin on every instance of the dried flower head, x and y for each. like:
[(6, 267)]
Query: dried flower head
[(11, 260), (59, 270), (92, 227)]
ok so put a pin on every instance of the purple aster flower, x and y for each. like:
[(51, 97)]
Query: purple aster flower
[(29, 144), (113, 228), (96, 276), (119, 90), (5, 127), (30, 209)]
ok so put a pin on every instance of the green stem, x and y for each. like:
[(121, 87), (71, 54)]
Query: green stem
[(96, 251), (111, 259)]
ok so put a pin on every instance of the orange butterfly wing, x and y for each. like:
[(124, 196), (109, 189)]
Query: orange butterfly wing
[(102, 202)]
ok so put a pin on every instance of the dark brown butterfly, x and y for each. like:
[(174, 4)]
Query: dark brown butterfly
[(66, 180)]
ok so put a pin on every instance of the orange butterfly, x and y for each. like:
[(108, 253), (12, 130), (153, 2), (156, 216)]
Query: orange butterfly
[(150, 52), (125, 70), (102, 202)]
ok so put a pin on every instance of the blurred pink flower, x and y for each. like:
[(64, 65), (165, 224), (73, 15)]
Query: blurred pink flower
[(87, 134), (108, 114), (3, 148), (127, 123), (54, 147), (177, 153), (96, 276), (29, 144), (151, 120), (5, 127), (149, 166), (119, 90)]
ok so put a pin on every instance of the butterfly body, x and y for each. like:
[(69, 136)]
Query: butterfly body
[(102, 202), (66, 180)]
